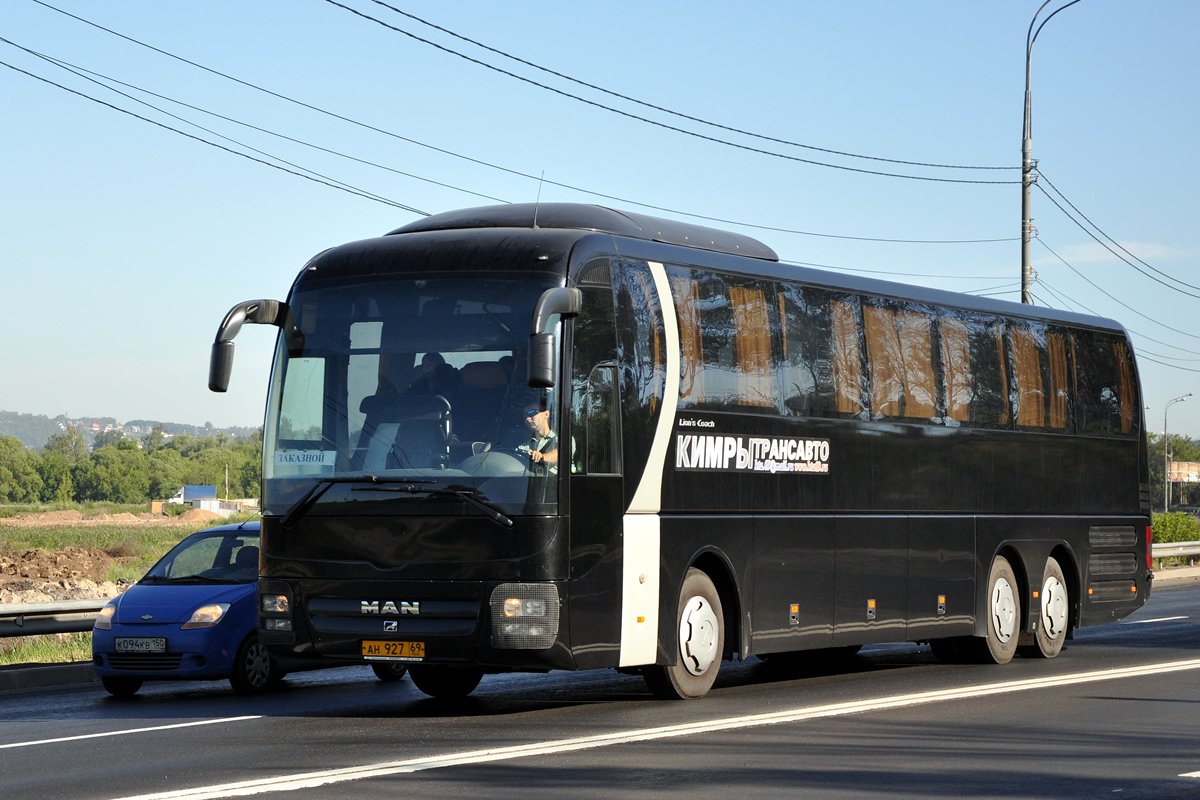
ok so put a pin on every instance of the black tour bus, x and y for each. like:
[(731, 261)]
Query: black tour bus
[(524, 438)]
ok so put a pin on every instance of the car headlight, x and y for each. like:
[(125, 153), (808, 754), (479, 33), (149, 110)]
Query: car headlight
[(206, 616), (104, 621)]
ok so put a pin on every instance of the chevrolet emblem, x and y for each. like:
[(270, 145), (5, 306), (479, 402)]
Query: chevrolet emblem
[(147, 616)]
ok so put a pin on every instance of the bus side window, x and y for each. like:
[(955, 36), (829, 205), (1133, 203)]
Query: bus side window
[(806, 345), (602, 442), (1104, 384), (595, 343)]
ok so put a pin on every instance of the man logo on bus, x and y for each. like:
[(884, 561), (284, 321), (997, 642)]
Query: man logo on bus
[(372, 607), (751, 453)]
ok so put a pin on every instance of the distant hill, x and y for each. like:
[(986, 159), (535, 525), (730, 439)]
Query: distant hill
[(34, 430)]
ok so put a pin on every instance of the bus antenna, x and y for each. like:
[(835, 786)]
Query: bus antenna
[(538, 201)]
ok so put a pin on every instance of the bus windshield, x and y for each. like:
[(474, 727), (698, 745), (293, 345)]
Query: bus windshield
[(418, 387)]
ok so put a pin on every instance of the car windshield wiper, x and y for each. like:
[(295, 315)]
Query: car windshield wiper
[(323, 485), (464, 493)]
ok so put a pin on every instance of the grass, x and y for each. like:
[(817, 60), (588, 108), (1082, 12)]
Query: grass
[(59, 648)]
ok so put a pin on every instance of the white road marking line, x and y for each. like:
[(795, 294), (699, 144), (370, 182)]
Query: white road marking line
[(128, 731), (1147, 621), (1190, 775), (309, 780)]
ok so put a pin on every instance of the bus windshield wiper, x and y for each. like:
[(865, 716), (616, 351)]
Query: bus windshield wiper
[(323, 485), (464, 493)]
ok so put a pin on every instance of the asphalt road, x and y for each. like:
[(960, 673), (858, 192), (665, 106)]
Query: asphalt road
[(1115, 716)]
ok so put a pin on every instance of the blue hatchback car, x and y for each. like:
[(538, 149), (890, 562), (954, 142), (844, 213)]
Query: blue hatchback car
[(191, 617)]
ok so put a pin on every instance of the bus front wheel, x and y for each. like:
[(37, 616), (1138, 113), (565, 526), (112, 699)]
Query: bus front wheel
[(701, 643), (446, 682)]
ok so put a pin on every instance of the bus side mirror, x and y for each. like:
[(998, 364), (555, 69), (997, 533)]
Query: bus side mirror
[(258, 312), (564, 302)]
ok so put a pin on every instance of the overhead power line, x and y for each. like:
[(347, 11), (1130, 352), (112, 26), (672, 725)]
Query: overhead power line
[(1083, 228), (83, 72), (1042, 176), (647, 120), (313, 178), (1114, 299), (664, 110), (498, 167)]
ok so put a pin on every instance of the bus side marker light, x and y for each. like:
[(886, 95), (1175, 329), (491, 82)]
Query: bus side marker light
[(1035, 595), (794, 614), (641, 620), (870, 609), (941, 605)]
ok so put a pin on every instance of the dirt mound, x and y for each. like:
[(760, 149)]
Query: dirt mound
[(46, 518), (198, 515), (41, 576), (72, 563), (124, 516)]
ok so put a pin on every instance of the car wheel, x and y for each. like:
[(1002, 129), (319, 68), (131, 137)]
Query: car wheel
[(254, 670), (701, 643), (446, 682), (121, 687), (389, 671)]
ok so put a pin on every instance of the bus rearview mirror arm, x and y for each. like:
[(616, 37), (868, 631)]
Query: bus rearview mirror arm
[(258, 312), (563, 301)]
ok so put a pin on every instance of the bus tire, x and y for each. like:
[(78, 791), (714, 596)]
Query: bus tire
[(388, 671), (1003, 621), (446, 683), (1055, 618), (701, 643), (119, 686)]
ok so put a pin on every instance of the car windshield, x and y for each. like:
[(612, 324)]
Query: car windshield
[(209, 557), (418, 380)]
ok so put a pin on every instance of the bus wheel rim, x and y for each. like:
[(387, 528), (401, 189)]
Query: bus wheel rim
[(698, 631), (1004, 610), (1054, 607)]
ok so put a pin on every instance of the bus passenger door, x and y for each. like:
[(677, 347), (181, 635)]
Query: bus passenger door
[(871, 576)]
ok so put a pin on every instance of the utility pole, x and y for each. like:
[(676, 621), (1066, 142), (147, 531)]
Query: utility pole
[(1167, 454), (1027, 162)]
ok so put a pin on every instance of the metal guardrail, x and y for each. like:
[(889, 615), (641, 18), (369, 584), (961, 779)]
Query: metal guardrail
[(1171, 549), (66, 616)]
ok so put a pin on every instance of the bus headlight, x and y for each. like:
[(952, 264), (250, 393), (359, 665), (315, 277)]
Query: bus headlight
[(524, 616)]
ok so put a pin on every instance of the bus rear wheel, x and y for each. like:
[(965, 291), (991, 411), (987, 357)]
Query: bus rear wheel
[(446, 683), (1003, 618), (701, 643), (1052, 626)]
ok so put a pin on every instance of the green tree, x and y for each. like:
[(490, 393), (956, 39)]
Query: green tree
[(71, 444), (106, 438), (58, 482), (154, 439), (166, 468), (19, 478), (117, 473)]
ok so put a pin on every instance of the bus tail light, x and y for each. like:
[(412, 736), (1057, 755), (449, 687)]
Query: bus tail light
[(1149, 550), (524, 616)]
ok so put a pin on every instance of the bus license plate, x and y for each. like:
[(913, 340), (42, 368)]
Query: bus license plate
[(153, 644), (393, 651)]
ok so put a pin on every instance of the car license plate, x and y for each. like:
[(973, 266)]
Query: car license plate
[(126, 644), (393, 651)]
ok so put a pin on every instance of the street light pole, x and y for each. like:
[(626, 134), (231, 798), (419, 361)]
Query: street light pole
[(1027, 162), (1166, 455)]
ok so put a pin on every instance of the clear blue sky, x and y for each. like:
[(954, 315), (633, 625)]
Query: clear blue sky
[(123, 244)]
